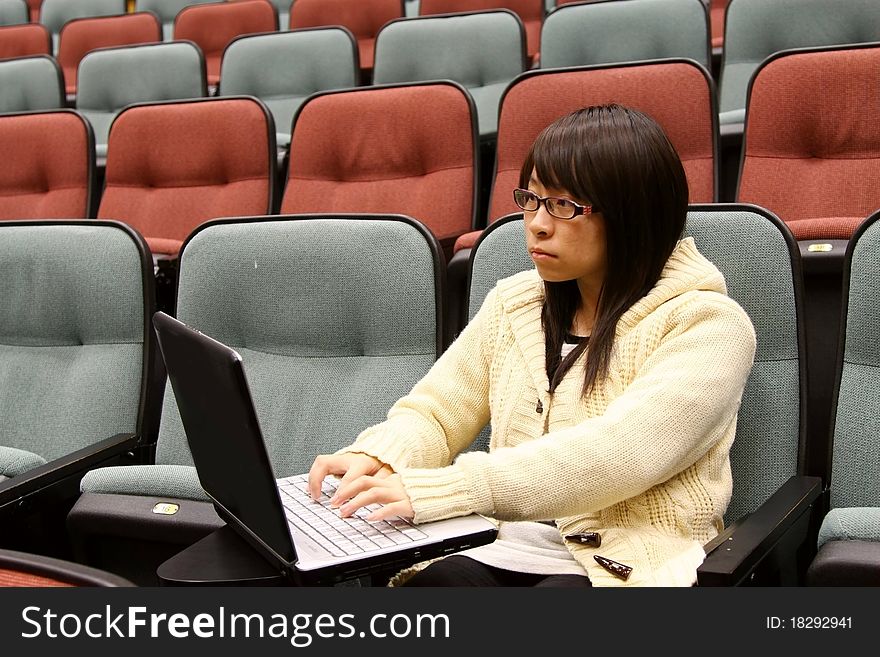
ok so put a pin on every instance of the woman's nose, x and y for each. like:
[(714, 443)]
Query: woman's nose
[(541, 222)]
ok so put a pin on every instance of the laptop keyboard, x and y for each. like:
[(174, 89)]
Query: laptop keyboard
[(341, 536)]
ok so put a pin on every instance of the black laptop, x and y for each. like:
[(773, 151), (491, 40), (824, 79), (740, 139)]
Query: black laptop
[(308, 541)]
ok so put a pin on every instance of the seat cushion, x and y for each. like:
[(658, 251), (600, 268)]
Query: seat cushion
[(850, 524), (175, 481), (14, 462)]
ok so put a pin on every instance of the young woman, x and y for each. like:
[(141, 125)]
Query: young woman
[(611, 374)]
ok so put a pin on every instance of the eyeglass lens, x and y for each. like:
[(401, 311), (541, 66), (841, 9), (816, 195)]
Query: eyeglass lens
[(558, 207)]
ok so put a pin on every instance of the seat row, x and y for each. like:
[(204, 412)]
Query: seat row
[(817, 175), (332, 330), (376, 149), (440, 44)]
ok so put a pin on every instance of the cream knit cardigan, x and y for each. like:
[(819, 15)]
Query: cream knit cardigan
[(643, 460)]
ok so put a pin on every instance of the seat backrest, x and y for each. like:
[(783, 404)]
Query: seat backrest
[(34, 7), (21, 569), (283, 68), (530, 12), (482, 51), (13, 12), (214, 25), (755, 29), (814, 158), (112, 78), (30, 83), (55, 13), (363, 19), (612, 31), (173, 165), (761, 265), (81, 35), (24, 41), (49, 170), (537, 98), (283, 9), (74, 325), (332, 327), (717, 12), (408, 149), (855, 468), (167, 11)]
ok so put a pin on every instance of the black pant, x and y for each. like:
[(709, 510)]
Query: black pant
[(458, 570)]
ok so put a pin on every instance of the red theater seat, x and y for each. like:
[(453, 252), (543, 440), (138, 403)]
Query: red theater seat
[(407, 149), (364, 19), (21, 569), (173, 165), (537, 98), (80, 36), (812, 140), (212, 26), (48, 165), (24, 40)]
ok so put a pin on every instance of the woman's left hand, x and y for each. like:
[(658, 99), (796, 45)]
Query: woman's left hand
[(369, 489)]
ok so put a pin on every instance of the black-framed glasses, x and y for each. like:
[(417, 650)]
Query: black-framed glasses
[(561, 208)]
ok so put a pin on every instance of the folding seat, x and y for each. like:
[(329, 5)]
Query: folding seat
[(768, 540), (482, 51), (409, 149), (537, 98), (814, 158), (13, 12), (214, 25), (23, 569), (110, 79), (283, 68), (364, 19), (34, 9), (332, 329), (24, 41), (82, 35), (530, 12), (78, 376), (755, 29), (167, 11), (31, 83), (579, 34), (717, 12), (849, 536), (55, 13), (282, 7), (173, 165), (49, 165)]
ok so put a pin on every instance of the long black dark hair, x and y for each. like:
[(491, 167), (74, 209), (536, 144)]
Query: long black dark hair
[(621, 161)]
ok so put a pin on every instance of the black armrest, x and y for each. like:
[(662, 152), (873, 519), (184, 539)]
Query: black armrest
[(823, 256), (781, 523), (14, 489)]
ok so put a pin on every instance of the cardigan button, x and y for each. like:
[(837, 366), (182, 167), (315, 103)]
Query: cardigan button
[(619, 570), (590, 539)]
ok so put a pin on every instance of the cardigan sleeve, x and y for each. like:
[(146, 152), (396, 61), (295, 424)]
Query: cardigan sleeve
[(682, 401), (446, 409)]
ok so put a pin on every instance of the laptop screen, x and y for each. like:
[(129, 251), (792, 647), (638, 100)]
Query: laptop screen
[(223, 432)]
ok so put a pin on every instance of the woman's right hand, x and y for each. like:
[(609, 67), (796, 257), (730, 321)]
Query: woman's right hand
[(348, 466)]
